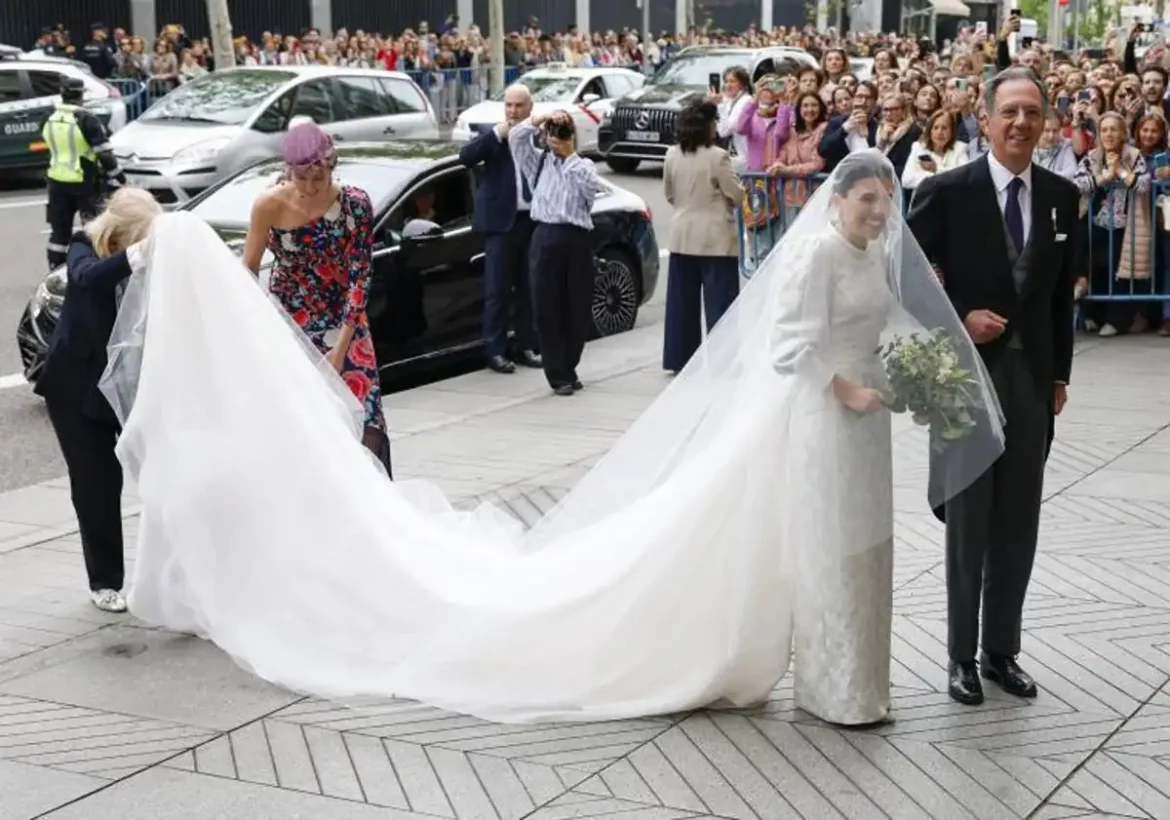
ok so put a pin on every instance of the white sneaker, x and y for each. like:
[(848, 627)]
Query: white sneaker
[(1107, 331), (108, 600)]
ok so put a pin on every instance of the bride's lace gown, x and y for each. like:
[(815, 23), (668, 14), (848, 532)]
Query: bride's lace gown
[(843, 548)]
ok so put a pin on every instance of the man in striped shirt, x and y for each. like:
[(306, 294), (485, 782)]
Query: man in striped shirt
[(560, 257)]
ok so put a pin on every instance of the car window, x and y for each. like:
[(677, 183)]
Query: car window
[(223, 97), (443, 201), (362, 98), (314, 100), (616, 85), (594, 86), (403, 97), (9, 86), (275, 117), (45, 83)]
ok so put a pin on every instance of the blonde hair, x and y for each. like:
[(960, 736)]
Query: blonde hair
[(125, 221)]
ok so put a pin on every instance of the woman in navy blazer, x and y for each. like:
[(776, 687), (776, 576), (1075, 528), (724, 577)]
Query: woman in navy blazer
[(100, 258)]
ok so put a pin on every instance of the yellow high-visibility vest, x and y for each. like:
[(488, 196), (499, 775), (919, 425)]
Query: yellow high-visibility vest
[(67, 145)]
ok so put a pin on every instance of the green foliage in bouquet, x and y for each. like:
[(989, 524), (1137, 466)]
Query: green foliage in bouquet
[(927, 380)]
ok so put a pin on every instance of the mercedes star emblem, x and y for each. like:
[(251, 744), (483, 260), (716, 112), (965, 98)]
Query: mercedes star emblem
[(643, 121)]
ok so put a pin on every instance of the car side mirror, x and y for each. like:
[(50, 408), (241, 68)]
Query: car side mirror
[(412, 241), (589, 99)]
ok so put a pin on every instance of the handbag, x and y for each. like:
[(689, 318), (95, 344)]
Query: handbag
[(761, 202)]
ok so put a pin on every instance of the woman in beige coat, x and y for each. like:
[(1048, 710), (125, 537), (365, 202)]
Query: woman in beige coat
[(704, 242)]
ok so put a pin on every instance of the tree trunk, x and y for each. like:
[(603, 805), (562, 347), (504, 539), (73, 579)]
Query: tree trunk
[(496, 44), (222, 50)]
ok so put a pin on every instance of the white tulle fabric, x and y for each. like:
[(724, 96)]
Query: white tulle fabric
[(743, 501)]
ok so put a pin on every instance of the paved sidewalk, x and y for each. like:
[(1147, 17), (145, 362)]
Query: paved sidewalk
[(101, 717)]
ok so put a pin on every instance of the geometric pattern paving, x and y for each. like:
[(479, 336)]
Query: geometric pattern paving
[(87, 741), (1095, 743)]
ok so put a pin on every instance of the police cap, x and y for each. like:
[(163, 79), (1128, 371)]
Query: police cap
[(72, 88)]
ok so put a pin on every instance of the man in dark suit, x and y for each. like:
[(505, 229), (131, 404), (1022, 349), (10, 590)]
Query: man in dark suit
[(893, 131), (1002, 233), (86, 427), (501, 215)]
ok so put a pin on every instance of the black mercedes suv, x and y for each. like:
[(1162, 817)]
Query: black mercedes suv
[(641, 126)]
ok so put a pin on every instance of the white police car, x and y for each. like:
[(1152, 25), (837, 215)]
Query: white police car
[(30, 88), (586, 93)]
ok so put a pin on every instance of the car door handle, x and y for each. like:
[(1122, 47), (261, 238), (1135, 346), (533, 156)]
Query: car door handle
[(389, 129), (479, 257), (337, 137)]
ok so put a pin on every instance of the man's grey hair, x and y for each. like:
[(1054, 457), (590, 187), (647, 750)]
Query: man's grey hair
[(1011, 75)]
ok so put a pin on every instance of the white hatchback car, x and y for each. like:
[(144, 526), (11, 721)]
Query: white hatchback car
[(215, 125), (586, 93)]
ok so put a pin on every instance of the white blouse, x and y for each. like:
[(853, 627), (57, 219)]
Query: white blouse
[(914, 173)]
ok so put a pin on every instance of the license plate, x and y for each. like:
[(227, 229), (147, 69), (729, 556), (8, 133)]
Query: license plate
[(642, 136)]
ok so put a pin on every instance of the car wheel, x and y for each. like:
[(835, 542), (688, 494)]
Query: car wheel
[(623, 165), (616, 294)]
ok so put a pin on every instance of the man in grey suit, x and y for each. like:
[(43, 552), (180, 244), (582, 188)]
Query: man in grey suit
[(1002, 233)]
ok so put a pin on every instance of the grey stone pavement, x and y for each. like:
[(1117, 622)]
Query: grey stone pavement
[(102, 717)]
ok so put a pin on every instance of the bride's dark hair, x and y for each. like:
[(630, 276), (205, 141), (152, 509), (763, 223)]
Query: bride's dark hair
[(859, 167)]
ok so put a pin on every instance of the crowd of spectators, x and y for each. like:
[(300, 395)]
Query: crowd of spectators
[(917, 101)]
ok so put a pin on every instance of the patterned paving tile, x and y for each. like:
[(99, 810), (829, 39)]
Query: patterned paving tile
[(87, 741), (402, 755)]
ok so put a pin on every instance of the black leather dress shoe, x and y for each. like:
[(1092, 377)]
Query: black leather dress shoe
[(1004, 671), (501, 365), (577, 386), (964, 685), (564, 390), (530, 358)]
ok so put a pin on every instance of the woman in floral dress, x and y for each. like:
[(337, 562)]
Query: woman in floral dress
[(321, 236)]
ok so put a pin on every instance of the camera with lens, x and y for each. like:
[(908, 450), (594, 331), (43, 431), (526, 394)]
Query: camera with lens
[(559, 130)]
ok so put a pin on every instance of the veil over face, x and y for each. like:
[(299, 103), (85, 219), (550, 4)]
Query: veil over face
[(662, 582)]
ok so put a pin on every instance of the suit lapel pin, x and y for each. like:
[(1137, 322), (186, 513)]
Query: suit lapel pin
[(1054, 220)]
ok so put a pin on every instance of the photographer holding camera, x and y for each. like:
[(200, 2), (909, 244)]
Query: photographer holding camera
[(560, 258)]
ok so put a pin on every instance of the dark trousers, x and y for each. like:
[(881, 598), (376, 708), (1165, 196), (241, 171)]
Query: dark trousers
[(560, 262), (95, 483), (992, 526), (66, 201), (507, 293), (714, 279)]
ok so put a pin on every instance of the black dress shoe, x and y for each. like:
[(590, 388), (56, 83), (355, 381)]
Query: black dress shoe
[(564, 390), (530, 358), (501, 365), (577, 386), (1004, 671), (964, 685)]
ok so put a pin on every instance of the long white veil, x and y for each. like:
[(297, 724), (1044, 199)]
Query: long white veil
[(664, 581)]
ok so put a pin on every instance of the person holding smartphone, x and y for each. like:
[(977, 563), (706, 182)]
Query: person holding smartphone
[(939, 149), (730, 100)]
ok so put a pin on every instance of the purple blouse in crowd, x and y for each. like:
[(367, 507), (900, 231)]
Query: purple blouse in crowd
[(757, 131)]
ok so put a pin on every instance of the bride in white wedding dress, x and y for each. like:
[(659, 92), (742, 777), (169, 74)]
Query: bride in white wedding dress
[(753, 497)]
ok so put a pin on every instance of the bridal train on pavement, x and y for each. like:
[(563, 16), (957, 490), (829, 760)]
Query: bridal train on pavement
[(747, 512)]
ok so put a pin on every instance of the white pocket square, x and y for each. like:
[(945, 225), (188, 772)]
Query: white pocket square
[(1060, 237)]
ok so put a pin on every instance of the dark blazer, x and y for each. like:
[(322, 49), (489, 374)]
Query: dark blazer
[(77, 352), (496, 195), (956, 219), (833, 148)]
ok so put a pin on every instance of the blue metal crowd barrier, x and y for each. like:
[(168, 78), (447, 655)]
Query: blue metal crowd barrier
[(454, 90)]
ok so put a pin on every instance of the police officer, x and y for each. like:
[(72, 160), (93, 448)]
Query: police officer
[(98, 54), (80, 162)]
